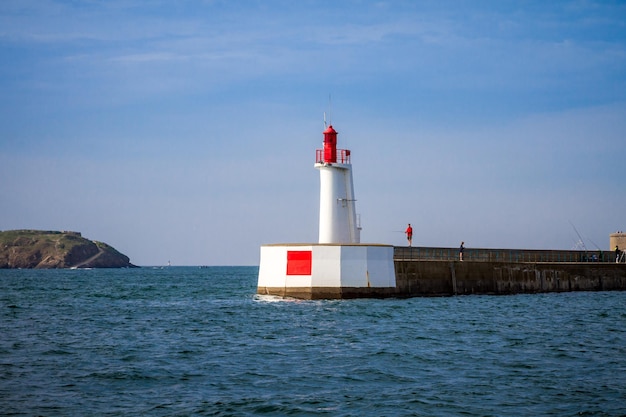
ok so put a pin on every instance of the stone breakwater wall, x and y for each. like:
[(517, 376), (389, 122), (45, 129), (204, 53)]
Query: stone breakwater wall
[(437, 278), (427, 271), (439, 272)]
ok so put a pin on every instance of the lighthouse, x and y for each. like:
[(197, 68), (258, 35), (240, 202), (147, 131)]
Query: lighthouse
[(338, 265), (337, 223)]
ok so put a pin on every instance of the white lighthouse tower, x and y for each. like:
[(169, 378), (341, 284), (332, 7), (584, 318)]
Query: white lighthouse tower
[(337, 202), (338, 266)]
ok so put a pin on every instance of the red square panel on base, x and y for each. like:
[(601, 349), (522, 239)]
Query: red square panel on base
[(299, 262)]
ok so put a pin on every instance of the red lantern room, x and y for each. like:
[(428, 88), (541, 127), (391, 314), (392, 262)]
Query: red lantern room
[(330, 145)]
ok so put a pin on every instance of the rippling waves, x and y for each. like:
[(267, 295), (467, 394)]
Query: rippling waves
[(190, 341)]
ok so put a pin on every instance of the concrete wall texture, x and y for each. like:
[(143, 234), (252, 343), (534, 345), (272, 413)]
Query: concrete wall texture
[(428, 271), (440, 278)]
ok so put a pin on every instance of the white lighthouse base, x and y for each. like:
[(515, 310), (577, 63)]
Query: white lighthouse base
[(327, 271)]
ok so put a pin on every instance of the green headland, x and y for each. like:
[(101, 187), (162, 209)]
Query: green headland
[(46, 249)]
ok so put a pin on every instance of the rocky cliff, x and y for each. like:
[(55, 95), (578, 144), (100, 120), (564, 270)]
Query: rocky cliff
[(51, 249)]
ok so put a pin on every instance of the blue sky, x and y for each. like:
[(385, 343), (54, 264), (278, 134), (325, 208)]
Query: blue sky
[(186, 130)]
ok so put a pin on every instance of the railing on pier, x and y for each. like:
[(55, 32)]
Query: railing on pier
[(343, 156), (501, 255)]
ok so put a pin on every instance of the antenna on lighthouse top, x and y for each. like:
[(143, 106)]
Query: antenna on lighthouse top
[(330, 109), (330, 120)]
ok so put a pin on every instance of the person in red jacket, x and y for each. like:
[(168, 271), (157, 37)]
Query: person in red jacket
[(409, 234)]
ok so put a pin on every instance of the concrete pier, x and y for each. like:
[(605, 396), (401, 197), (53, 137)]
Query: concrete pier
[(429, 271), (439, 278), (422, 271)]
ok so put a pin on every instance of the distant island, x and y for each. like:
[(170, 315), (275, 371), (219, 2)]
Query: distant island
[(44, 249)]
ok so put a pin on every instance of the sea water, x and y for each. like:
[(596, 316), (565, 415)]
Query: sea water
[(185, 341)]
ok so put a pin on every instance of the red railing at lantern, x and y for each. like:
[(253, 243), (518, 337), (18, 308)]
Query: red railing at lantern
[(343, 156)]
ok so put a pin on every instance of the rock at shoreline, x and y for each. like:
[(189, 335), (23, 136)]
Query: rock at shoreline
[(51, 249)]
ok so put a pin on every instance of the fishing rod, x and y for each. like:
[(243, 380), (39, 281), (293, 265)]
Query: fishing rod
[(581, 239), (582, 242), (594, 244)]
